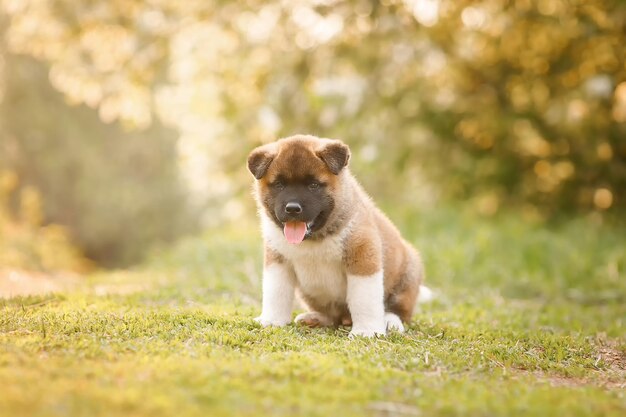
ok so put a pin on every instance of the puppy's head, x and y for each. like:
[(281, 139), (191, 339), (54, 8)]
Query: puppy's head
[(297, 180)]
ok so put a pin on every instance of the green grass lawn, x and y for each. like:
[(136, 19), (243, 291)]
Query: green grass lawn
[(529, 321)]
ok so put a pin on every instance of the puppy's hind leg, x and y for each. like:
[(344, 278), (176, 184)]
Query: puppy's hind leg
[(393, 323), (314, 319)]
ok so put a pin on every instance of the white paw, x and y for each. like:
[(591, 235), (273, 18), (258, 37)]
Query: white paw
[(371, 330), (265, 322), (393, 323), (314, 319)]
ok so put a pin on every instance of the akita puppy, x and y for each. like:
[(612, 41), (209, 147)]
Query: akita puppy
[(326, 241)]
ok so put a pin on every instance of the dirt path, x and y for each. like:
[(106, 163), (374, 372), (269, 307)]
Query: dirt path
[(15, 282)]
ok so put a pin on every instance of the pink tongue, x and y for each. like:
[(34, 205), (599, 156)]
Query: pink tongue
[(295, 231)]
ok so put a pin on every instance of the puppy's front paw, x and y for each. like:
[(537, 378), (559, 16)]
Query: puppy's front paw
[(367, 331), (266, 322)]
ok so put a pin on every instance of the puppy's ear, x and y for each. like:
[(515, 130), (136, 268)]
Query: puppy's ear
[(260, 159), (335, 155)]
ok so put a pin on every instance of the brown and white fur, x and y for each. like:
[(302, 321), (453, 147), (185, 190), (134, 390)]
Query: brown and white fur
[(352, 267)]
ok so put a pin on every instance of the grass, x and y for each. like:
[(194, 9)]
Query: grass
[(529, 321)]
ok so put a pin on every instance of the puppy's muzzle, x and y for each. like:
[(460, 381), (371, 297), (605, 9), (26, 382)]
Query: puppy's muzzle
[(293, 207)]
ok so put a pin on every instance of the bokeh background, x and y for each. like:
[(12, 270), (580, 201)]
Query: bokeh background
[(125, 124)]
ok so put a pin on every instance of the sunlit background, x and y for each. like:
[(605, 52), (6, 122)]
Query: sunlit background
[(126, 123)]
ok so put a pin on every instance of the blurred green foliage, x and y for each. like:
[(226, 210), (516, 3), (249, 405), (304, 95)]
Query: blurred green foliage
[(118, 192), (518, 103), (26, 243)]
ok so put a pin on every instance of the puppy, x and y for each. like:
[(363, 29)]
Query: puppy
[(326, 241)]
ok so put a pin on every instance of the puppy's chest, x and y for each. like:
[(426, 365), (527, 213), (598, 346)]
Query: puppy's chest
[(324, 281), (318, 266)]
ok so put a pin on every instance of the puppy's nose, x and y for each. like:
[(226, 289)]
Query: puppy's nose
[(293, 208)]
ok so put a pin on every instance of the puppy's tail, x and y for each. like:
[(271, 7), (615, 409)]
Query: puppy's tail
[(425, 295)]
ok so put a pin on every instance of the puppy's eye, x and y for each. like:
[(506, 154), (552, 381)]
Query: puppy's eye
[(314, 185), (278, 185)]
